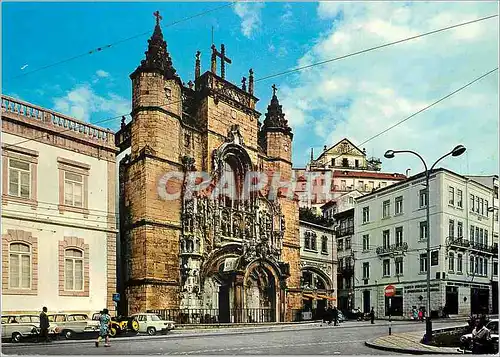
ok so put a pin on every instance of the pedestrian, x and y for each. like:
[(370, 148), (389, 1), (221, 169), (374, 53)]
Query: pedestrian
[(104, 321), (420, 315), (481, 339), (372, 316), (329, 314), (44, 325), (335, 314)]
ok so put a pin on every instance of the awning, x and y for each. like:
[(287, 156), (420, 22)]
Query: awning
[(327, 297), (308, 296)]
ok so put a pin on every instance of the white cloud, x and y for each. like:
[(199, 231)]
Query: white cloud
[(287, 14), (82, 102), (101, 73), (250, 15), (362, 95)]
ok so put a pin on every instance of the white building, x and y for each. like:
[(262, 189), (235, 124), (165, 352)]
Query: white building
[(318, 262), (58, 212), (390, 228), (338, 170)]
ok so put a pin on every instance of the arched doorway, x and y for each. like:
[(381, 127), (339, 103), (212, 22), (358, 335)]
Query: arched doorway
[(314, 280)]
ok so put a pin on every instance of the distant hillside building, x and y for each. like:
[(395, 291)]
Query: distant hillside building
[(343, 167)]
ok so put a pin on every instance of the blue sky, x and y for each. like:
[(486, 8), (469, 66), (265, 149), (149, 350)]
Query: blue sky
[(356, 97)]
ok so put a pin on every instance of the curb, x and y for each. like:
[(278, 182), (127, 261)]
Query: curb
[(408, 351)]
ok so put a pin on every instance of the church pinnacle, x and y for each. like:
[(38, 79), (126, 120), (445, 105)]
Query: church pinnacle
[(275, 118), (157, 57)]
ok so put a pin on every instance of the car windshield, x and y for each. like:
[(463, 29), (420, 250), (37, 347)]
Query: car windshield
[(493, 326), (155, 318)]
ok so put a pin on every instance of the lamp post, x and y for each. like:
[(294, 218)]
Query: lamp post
[(457, 151)]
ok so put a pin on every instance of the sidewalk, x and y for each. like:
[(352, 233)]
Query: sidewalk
[(409, 343)]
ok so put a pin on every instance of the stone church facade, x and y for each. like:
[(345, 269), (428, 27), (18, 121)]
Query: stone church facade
[(232, 254)]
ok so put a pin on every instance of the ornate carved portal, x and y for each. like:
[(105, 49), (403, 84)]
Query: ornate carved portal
[(231, 246)]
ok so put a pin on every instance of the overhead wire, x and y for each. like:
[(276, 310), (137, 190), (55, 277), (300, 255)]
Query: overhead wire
[(316, 64), (101, 48)]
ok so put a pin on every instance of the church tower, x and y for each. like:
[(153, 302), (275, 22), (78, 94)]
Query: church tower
[(152, 223)]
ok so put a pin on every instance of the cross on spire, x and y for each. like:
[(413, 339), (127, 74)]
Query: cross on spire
[(222, 56), (158, 16), (274, 89)]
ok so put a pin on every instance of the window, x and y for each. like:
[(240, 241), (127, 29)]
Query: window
[(324, 244), (459, 198), (356, 163), (478, 208), (486, 207), (451, 196), (434, 258), (471, 265), (343, 185), (485, 238), (482, 206), (348, 243), (495, 268), (385, 209), (313, 241), (472, 203), (19, 178), (345, 162), (20, 266), (477, 235), (333, 162), (73, 189), (386, 238), (73, 269), (451, 228), (399, 265), (366, 270), (384, 184), (399, 236), (361, 185), (423, 198), (399, 205), (366, 242), (459, 263), (485, 264), (423, 263), (307, 240), (460, 229), (423, 230), (481, 236), (341, 262), (479, 263), (340, 244), (366, 214), (451, 261), (387, 267), (471, 234)]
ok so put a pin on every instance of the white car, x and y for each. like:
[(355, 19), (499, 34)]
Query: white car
[(151, 323), (492, 325)]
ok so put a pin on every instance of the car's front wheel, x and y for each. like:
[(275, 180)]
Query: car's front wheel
[(151, 331), (68, 334)]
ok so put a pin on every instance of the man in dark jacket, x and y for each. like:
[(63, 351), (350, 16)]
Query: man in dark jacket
[(44, 325), (335, 316), (372, 316)]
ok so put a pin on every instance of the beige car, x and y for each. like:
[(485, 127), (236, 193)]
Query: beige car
[(16, 327), (68, 325), (152, 323)]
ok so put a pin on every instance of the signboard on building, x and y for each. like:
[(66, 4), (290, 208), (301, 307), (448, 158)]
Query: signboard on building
[(390, 290)]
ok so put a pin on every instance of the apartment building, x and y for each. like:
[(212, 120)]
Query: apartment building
[(390, 226), (58, 212)]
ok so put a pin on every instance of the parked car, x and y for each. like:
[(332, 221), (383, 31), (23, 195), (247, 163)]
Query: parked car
[(119, 324), (68, 325), (17, 327), (492, 325), (152, 323)]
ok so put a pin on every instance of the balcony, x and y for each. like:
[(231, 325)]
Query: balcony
[(461, 243), (347, 270), (392, 249), (345, 231)]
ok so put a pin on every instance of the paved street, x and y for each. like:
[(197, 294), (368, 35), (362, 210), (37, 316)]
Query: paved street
[(290, 340)]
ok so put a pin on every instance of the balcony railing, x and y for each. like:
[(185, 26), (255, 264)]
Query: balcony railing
[(216, 316), (345, 231), (16, 108), (464, 243), (392, 249)]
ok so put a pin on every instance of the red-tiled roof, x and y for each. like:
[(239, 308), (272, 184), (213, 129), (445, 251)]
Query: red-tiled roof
[(365, 174)]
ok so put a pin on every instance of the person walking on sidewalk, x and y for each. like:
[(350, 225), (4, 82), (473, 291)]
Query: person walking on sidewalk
[(104, 321), (335, 313), (372, 316), (44, 325)]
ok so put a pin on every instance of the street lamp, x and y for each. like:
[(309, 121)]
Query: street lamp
[(457, 151)]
